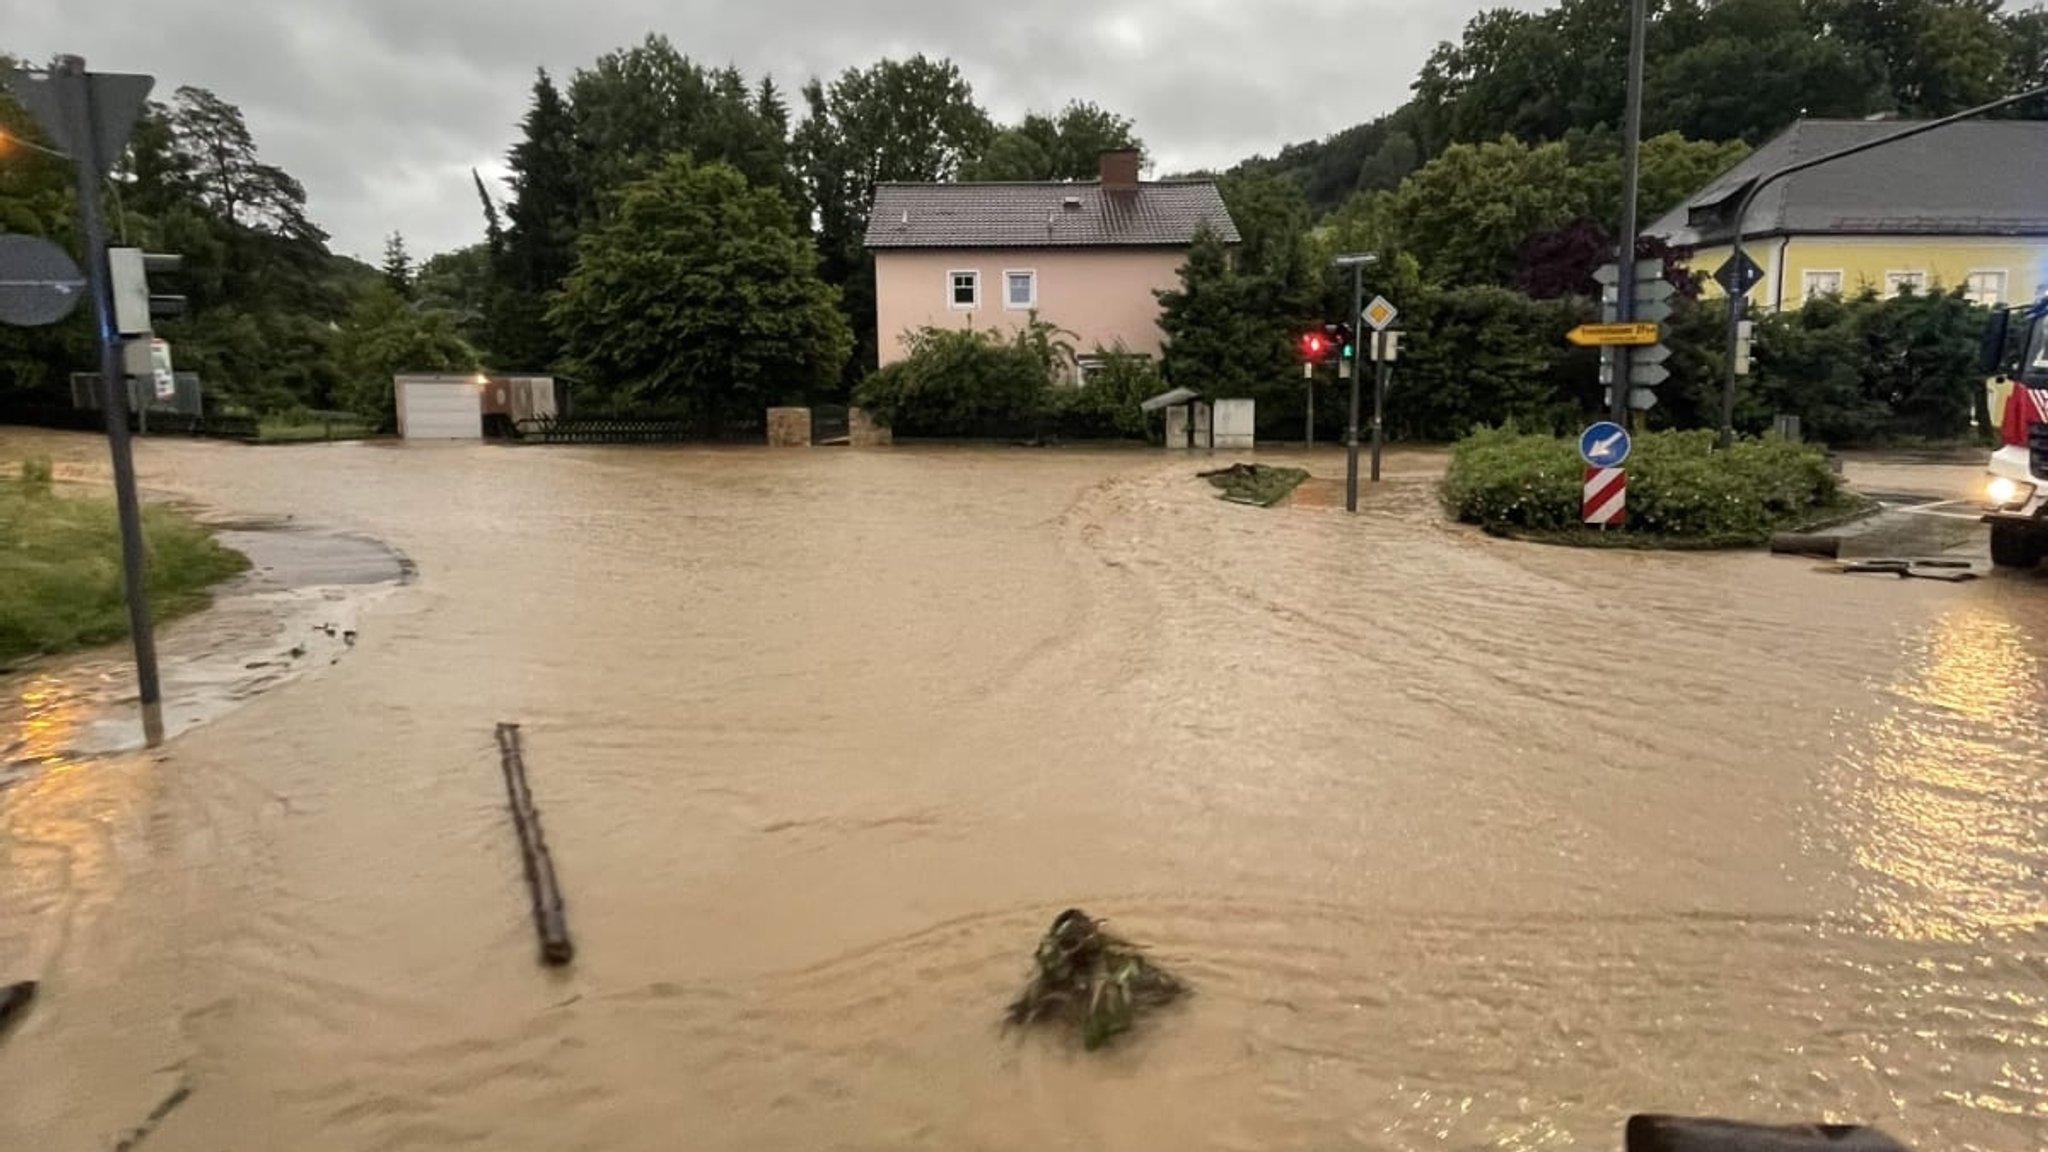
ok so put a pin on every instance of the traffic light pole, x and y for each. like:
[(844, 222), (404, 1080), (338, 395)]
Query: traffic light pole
[(1357, 366), (76, 92)]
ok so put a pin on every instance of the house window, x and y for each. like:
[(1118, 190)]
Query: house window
[(1020, 289), (963, 289), (1896, 282), (1819, 284), (1986, 288)]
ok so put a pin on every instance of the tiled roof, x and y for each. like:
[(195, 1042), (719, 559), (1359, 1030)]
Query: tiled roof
[(1039, 215), (1975, 178)]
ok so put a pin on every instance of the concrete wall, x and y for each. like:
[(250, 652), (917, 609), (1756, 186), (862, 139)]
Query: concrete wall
[(1945, 261), (1100, 294), (863, 432), (789, 427)]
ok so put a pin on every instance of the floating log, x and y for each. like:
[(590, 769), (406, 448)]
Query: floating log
[(13, 999), (555, 948), (156, 1116), (1806, 544), (1654, 1133)]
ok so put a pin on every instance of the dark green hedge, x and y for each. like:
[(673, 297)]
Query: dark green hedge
[(1680, 487)]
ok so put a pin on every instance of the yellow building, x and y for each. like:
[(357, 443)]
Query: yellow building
[(1964, 206)]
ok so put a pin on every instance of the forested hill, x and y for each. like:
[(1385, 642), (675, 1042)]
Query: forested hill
[(1718, 70)]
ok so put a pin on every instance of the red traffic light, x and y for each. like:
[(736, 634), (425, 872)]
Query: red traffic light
[(1312, 345)]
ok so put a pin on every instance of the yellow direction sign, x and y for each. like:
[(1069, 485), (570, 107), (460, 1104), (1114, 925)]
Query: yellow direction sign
[(1597, 335)]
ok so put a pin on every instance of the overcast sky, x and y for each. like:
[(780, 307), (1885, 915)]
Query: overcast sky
[(381, 107)]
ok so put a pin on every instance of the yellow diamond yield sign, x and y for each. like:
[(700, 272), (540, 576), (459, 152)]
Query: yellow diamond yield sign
[(1379, 314)]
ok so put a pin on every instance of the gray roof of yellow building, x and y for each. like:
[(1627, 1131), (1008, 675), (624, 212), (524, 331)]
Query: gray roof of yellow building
[(1046, 215), (1975, 178)]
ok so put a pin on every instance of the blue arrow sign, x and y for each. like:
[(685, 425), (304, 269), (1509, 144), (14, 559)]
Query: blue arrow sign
[(1604, 445)]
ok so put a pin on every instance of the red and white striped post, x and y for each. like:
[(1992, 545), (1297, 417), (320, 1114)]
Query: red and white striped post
[(1606, 497)]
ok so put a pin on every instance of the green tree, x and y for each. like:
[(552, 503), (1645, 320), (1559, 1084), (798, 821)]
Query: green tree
[(1758, 66), (536, 246), (700, 293), (398, 269), (385, 335), (1940, 56), (459, 284), (1065, 146), (1486, 355), (1466, 214), (912, 120), (1218, 341), (1671, 169), (216, 147)]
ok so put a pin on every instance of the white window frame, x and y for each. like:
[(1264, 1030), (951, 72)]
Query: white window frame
[(952, 289), (1806, 278), (2004, 285), (1010, 305), (1893, 279)]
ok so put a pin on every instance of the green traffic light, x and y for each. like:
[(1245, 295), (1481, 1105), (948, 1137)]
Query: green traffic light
[(1348, 352)]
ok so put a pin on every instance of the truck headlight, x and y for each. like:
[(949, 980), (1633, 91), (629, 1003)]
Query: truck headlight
[(2005, 492)]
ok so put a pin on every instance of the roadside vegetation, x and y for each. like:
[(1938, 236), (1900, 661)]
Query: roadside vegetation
[(1682, 491), (60, 567), (986, 383)]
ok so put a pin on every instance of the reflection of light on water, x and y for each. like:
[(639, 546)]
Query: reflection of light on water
[(1947, 790), (49, 716)]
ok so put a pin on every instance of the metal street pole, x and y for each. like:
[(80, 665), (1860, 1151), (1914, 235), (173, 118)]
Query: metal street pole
[(1356, 261), (1737, 300), (75, 91), (1379, 398), (1631, 168)]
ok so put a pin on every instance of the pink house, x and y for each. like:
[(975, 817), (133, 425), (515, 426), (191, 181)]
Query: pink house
[(1086, 256)]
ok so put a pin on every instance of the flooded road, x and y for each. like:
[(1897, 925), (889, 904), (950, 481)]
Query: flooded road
[(1462, 844)]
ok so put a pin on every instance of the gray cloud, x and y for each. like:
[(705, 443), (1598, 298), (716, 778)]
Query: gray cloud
[(382, 107)]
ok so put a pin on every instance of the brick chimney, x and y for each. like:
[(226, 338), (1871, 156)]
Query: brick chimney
[(1120, 171)]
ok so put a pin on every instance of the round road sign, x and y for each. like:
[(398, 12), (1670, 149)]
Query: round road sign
[(39, 282)]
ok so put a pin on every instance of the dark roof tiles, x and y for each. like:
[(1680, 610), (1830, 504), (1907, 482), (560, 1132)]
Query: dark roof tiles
[(1046, 215), (1976, 178)]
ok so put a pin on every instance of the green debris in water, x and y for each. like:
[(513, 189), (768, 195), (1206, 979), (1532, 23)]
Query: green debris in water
[(1260, 484), (1091, 981)]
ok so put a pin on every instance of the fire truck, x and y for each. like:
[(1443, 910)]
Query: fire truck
[(2016, 492)]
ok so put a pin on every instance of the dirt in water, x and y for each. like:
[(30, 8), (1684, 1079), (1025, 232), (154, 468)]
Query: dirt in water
[(1459, 844)]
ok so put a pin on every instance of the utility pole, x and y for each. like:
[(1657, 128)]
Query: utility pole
[(1631, 170), (1356, 261), (73, 92)]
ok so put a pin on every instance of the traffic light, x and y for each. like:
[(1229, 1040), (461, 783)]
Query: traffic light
[(134, 304), (1340, 338), (1315, 347)]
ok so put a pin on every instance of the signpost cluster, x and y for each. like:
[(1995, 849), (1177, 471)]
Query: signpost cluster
[(89, 117)]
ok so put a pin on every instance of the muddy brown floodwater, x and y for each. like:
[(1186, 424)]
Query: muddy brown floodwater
[(1463, 844)]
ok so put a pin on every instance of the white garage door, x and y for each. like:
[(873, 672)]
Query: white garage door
[(440, 410)]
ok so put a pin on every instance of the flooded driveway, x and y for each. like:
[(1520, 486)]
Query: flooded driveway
[(1462, 844)]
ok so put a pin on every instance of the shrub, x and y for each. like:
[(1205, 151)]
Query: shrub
[(968, 382), (1679, 485), (1106, 406)]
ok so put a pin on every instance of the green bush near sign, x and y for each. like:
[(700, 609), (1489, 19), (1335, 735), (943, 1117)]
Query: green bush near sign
[(1682, 491)]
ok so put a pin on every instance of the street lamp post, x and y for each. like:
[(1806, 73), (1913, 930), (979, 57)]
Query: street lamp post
[(1736, 300), (1356, 261)]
